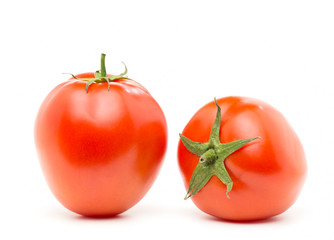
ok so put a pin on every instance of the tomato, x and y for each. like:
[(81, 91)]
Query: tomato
[(246, 163), (100, 149)]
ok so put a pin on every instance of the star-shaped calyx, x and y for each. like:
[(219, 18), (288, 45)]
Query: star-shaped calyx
[(101, 75), (212, 158)]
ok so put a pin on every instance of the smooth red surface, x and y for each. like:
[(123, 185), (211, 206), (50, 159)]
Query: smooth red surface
[(267, 173), (100, 151)]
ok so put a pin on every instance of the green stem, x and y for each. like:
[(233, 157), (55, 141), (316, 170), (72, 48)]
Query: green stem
[(101, 76), (103, 65), (209, 157)]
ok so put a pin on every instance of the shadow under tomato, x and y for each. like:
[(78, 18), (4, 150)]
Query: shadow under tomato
[(291, 215), (101, 218), (64, 214), (271, 220)]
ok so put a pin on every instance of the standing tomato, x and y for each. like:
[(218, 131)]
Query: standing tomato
[(244, 164), (101, 141)]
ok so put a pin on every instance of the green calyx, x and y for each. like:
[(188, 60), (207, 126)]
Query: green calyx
[(212, 158), (101, 75)]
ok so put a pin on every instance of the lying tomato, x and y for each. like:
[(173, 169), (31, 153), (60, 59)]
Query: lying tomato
[(245, 164), (101, 141)]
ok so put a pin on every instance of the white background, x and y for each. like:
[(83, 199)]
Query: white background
[(185, 53)]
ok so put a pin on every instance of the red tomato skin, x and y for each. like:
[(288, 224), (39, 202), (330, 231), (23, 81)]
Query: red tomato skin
[(267, 174), (100, 151)]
